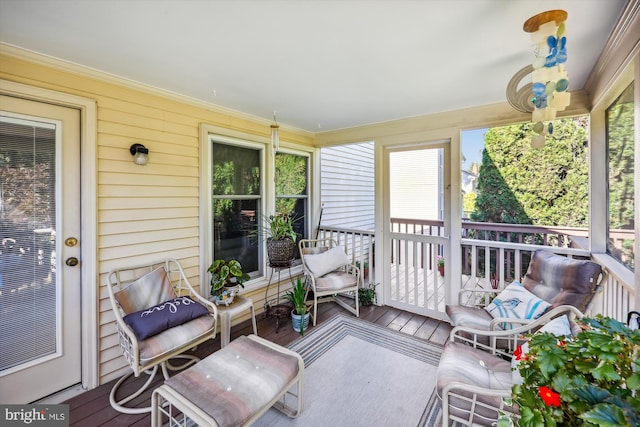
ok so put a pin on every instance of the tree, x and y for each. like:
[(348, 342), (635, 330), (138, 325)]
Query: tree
[(519, 184)]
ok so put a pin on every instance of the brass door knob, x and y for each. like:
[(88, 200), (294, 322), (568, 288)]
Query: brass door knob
[(72, 262)]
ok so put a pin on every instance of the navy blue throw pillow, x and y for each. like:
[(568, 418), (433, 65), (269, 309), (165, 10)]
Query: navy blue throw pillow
[(151, 321)]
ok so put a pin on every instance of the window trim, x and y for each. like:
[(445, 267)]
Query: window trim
[(308, 155), (210, 133)]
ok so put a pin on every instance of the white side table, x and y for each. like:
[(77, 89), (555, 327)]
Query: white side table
[(227, 313)]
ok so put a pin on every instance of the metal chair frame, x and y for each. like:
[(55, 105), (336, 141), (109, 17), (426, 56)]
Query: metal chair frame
[(117, 279)]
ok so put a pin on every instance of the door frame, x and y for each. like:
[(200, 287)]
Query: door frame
[(88, 206), (452, 205)]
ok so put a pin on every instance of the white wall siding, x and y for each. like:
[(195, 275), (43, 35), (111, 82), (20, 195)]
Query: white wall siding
[(347, 186)]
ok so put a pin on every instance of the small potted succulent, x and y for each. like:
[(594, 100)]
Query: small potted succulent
[(226, 279)]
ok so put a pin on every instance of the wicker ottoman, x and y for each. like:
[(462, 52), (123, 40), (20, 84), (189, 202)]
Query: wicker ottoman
[(234, 386)]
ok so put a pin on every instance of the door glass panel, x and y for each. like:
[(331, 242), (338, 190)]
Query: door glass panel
[(28, 294)]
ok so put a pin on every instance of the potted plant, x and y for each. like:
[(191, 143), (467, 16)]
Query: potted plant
[(278, 231), (590, 379), (226, 278), (441, 265), (367, 296), (364, 268), (299, 316)]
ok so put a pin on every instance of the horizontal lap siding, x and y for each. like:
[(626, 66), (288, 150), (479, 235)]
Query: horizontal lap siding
[(347, 186), (144, 212)]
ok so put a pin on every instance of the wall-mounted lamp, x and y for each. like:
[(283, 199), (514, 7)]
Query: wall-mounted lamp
[(140, 154)]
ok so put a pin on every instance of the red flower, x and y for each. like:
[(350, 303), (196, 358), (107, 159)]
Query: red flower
[(549, 397), (562, 344), (519, 355)]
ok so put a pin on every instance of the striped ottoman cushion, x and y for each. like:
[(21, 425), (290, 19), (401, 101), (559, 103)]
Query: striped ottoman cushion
[(237, 381)]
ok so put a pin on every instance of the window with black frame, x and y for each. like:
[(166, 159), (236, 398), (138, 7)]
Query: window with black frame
[(292, 199), (236, 203)]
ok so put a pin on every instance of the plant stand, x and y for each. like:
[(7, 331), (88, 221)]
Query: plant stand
[(274, 308)]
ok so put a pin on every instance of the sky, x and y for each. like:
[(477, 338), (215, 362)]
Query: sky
[(472, 144)]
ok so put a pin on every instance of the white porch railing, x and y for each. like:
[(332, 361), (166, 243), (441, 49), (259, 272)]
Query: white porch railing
[(488, 264), (359, 245), (415, 284)]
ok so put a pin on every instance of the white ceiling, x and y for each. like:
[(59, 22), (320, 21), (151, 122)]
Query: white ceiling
[(321, 64)]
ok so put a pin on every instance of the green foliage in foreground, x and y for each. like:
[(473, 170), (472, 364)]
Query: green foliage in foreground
[(592, 379)]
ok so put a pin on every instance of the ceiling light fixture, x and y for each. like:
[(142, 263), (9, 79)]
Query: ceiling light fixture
[(549, 77), (275, 134), (140, 154)]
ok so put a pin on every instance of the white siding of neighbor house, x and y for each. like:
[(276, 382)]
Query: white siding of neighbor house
[(414, 184), (347, 186)]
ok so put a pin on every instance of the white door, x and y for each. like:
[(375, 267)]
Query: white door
[(40, 287), (415, 231)]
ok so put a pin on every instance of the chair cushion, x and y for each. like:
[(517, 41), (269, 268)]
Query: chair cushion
[(153, 320), (314, 250), (166, 342), (515, 302), (151, 289), (236, 382), (561, 280), (326, 262), (472, 317), (462, 364), (335, 281)]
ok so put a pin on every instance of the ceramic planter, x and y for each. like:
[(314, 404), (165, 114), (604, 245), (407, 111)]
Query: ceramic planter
[(299, 323)]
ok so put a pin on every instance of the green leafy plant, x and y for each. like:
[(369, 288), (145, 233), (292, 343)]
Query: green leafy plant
[(440, 261), (592, 379), (226, 273), (297, 296), (277, 227), (367, 296)]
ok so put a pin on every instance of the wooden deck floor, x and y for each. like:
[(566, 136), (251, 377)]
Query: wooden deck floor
[(92, 408)]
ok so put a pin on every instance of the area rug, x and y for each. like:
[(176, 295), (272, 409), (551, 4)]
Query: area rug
[(361, 374)]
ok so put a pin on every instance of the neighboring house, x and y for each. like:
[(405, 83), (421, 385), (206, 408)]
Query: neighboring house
[(416, 184), (469, 182), (347, 191)]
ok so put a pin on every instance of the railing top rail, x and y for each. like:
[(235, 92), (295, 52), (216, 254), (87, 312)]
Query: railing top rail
[(524, 228), (434, 222), (525, 247), (426, 238), (345, 230)]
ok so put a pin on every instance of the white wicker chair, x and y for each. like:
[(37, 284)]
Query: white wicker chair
[(345, 277), (473, 377), (132, 289), (556, 279)]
